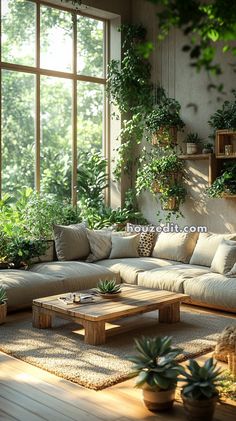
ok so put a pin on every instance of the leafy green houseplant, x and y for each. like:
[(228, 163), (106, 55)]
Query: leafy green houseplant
[(192, 141), (3, 305), (200, 392), (225, 117), (225, 184), (108, 288), (163, 123), (207, 148), (156, 370)]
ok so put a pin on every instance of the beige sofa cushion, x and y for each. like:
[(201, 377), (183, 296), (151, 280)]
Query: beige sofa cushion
[(71, 242), (225, 257), (76, 275), (206, 247), (128, 268), (175, 246), (124, 246), (100, 244), (170, 278), (23, 286), (213, 288)]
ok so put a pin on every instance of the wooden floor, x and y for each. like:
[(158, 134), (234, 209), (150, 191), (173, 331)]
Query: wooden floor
[(28, 393)]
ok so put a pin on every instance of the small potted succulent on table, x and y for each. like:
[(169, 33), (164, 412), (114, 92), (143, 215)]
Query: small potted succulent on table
[(192, 141), (157, 371), (3, 305), (108, 288), (200, 393)]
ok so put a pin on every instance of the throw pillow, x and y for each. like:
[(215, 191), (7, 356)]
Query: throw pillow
[(206, 247), (146, 243), (100, 244), (225, 257), (71, 242), (124, 246), (175, 246)]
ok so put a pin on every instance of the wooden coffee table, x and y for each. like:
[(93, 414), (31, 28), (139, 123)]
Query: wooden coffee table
[(93, 316)]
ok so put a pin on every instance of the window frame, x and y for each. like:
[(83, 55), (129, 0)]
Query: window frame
[(38, 71)]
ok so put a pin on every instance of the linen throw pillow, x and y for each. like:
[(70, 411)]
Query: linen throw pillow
[(225, 257), (175, 246), (206, 247), (71, 242), (124, 246), (146, 243), (100, 244)]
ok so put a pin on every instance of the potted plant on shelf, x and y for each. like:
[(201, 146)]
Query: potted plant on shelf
[(192, 141), (225, 184), (156, 370), (207, 148), (225, 117), (3, 305), (199, 392), (163, 123)]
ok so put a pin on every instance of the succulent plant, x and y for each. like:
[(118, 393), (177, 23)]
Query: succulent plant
[(3, 296), (155, 364), (201, 381), (108, 287), (193, 138)]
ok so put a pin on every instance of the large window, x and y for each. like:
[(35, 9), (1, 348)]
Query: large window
[(53, 74)]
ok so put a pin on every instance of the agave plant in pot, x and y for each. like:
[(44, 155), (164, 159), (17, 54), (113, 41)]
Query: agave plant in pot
[(3, 305), (192, 141), (108, 288), (200, 393), (156, 370)]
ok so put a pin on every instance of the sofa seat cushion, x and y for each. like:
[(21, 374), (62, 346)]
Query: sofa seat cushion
[(75, 275), (23, 286), (128, 268), (170, 278), (213, 288)]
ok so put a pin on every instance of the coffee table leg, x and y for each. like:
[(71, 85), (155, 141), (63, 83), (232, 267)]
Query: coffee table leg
[(94, 332), (41, 320), (170, 313)]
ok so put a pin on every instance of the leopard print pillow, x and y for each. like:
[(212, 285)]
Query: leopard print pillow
[(146, 243)]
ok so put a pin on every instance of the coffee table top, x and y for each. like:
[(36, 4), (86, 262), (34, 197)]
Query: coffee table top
[(133, 300)]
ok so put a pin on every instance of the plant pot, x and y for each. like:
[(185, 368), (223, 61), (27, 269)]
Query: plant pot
[(191, 148), (205, 150), (171, 204), (165, 136), (158, 400), (3, 313), (199, 410), (110, 296)]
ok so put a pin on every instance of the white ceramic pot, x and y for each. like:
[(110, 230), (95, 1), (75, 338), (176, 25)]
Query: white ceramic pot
[(191, 148), (158, 400)]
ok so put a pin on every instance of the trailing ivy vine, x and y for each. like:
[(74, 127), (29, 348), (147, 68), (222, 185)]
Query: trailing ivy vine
[(130, 89)]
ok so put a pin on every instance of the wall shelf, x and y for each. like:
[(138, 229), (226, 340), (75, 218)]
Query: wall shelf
[(195, 157), (211, 163), (223, 138)]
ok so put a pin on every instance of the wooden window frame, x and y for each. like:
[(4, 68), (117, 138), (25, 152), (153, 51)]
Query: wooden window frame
[(38, 71)]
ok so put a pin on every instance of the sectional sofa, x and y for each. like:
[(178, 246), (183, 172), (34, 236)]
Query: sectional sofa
[(177, 262)]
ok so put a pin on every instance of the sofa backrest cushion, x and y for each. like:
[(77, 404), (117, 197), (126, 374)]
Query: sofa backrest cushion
[(71, 242), (225, 257), (124, 246), (206, 247), (100, 244), (175, 246)]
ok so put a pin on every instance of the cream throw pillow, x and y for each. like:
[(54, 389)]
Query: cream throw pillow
[(100, 244), (175, 246), (225, 257), (124, 246), (71, 242), (206, 247)]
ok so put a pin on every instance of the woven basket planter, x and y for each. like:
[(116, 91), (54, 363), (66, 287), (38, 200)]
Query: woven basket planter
[(165, 136)]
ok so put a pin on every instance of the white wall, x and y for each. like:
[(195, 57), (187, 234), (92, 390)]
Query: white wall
[(170, 67)]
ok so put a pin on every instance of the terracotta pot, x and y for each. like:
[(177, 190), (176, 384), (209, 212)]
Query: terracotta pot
[(171, 204), (3, 313), (158, 400), (191, 148), (199, 410), (165, 136)]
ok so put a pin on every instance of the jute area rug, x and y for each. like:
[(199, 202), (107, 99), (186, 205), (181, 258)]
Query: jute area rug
[(62, 351)]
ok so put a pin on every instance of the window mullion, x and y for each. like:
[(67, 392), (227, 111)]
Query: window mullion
[(37, 108), (74, 114)]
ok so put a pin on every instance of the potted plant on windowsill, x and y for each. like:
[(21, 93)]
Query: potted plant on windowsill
[(163, 123), (156, 370), (3, 305), (200, 393), (192, 141)]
